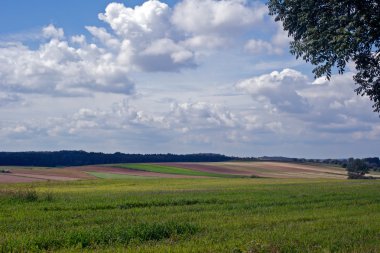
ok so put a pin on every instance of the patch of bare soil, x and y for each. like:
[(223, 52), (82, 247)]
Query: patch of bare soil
[(287, 170), (9, 178), (46, 177), (53, 173)]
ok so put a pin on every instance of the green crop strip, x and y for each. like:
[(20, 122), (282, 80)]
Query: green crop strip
[(115, 176), (172, 170)]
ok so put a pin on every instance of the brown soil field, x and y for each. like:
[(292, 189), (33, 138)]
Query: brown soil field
[(35, 174), (287, 170), (45, 177), (9, 178), (266, 169), (53, 173)]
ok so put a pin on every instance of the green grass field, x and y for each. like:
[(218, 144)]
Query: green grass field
[(172, 170), (191, 215)]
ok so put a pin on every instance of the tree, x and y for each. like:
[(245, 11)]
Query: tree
[(356, 168), (331, 33)]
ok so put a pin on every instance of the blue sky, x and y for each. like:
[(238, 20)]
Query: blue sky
[(26, 15), (183, 76)]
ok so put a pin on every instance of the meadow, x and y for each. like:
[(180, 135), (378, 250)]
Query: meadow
[(136, 214)]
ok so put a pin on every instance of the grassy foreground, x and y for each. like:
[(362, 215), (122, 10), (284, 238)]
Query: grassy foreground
[(191, 215)]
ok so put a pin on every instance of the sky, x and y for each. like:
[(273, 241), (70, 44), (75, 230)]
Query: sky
[(186, 76)]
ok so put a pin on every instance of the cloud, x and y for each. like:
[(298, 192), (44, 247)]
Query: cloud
[(281, 38), (186, 122), (103, 36), (57, 68), (195, 126), (8, 98), (147, 29), (261, 47), (324, 107), (181, 112), (200, 115), (51, 31), (279, 89), (151, 37), (277, 45), (204, 42), (165, 55), (146, 22), (204, 17)]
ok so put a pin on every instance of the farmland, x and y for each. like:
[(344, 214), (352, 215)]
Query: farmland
[(191, 215), (188, 207), (175, 170)]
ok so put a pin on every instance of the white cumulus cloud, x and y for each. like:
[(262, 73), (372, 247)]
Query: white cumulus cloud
[(150, 37), (279, 89), (202, 17), (325, 107)]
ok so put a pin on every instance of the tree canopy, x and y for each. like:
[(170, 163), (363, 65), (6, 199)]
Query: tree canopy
[(332, 33), (357, 167), (78, 158)]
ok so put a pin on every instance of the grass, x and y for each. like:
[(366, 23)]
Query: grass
[(103, 175), (172, 170), (23, 194), (192, 215)]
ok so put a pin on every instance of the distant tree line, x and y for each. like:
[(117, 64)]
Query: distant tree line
[(373, 163), (78, 158)]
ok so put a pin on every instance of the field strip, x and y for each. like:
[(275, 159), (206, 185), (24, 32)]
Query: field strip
[(269, 169), (161, 168), (46, 177), (103, 175), (117, 169), (214, 168), (6, 178), (293, 166)]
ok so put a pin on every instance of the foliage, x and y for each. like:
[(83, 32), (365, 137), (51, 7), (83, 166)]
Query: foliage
[(194, 215), (373, 163), (77, 158), (356, 167), (331, 33)]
